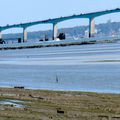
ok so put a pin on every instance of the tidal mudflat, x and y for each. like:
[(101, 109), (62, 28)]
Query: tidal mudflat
[(92, 68)]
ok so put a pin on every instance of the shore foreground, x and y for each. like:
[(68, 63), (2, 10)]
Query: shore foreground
[(54, 105)]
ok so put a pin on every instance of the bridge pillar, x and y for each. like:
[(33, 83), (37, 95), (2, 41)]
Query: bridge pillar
[(55, 31), (91, 27), (24, 35), (0, 34)]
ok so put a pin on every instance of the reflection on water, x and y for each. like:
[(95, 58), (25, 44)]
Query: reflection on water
[(38, 68)]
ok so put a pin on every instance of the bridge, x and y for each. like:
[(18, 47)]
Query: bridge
[(55, 21)]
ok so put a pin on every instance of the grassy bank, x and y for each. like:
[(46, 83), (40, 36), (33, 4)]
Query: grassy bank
[(55, 105)]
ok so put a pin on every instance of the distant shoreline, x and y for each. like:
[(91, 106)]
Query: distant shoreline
[(42, 46), (61, 43)]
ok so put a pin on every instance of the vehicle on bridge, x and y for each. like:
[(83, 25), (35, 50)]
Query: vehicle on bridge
[(61, 36), (2, 41)]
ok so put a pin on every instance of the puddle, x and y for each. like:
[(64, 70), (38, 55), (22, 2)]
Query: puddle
[(8, 94), (14, 103)]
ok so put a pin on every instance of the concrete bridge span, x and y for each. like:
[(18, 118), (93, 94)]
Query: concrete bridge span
[(55, 21)]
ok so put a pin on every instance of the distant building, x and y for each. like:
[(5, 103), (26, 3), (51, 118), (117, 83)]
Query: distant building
[(87, 33)]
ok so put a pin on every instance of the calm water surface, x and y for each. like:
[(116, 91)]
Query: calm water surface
[(93, 68)]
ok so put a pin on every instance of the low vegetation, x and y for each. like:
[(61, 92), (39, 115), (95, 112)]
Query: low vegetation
[(59, 105)]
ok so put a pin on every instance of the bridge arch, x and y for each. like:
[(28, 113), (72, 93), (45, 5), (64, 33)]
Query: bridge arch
[(42, 27), (75, 22), (108, 18), (90, 16), (12, 37)]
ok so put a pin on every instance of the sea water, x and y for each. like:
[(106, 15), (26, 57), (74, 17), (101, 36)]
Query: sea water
[(94, 68)]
